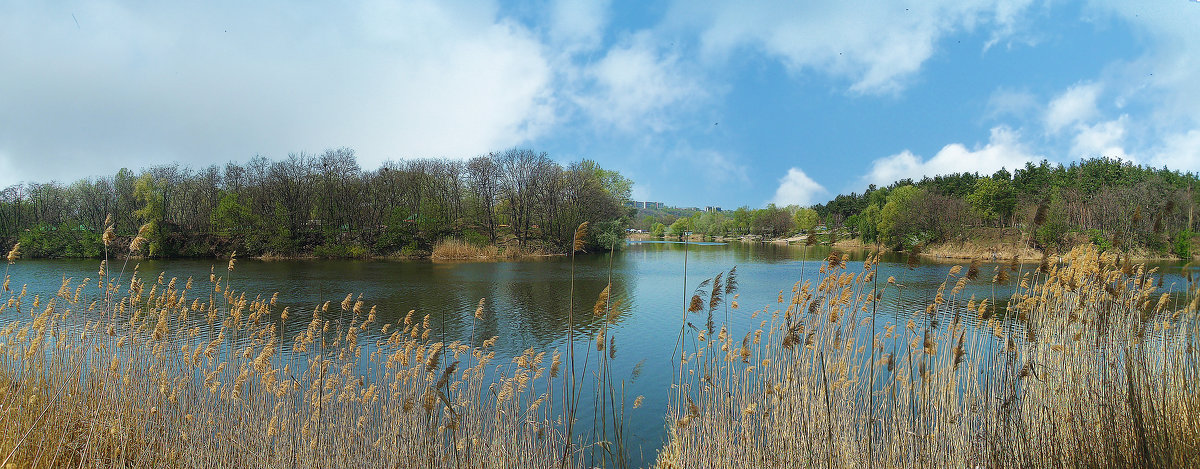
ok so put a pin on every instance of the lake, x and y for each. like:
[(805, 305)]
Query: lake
[(526, 302)]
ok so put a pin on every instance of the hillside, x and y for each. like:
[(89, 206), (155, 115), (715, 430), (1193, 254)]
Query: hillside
[(1111, 203)]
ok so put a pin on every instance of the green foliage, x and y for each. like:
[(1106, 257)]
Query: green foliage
[(992, 199), (231, 218), (868, 223), (341, 251), (150, 195), (61, 241), (400, 229), (806, 219), (895, 227), (295, 205), (609, 234), (1097, 238), (772, 222), (475, 237), (1182, 245), (658, 229), (1053, 230), (680, 227)]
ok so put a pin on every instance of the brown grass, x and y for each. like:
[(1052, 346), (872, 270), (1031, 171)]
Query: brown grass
[(1088, 367), (156, 373), (458, 250), (1084, 363)]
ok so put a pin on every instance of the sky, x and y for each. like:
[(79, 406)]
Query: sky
[(699, 103)]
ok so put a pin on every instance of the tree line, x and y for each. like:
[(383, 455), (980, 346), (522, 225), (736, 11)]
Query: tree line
[(324, 205), (771, 221), (1109, 202)]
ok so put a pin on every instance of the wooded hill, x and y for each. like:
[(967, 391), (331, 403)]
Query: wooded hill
[(324, 205), (1109, 202)]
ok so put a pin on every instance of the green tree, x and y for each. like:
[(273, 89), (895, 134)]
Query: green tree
[(682, 225), (657, 229), (149, 194), (992, 199), (231, 218), (806, 219), (895, 218), (868, 224)]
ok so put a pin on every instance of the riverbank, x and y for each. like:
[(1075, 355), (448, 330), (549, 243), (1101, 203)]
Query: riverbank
[(990, 246)]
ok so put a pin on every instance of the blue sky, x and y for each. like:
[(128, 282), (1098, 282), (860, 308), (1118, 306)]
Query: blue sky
[(700, 103)]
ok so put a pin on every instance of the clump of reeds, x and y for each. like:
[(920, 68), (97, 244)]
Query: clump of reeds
[(145, 372), (1081, 363), (456, 249)]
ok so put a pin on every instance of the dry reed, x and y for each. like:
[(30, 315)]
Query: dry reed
[(1086, 366)]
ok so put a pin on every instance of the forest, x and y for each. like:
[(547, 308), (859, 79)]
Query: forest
[(1109, 202), (323, 205)]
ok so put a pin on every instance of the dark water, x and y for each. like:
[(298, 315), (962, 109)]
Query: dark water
[(526, 302)]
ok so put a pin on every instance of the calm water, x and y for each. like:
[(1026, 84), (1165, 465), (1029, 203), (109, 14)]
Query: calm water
[(526, 302)]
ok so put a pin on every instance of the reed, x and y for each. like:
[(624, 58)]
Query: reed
[(1086, 365), (455, 249), (1084, 361), (185, 373)]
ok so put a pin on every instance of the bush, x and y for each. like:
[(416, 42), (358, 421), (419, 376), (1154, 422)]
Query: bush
[(1097, 238), (1182, 246), (60, 241)]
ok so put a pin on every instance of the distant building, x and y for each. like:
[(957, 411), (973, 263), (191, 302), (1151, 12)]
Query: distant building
[(712, 208), (643, 204)]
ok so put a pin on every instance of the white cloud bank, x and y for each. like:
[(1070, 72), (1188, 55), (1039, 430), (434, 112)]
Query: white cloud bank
[(636, 85), (876, 46), (1003, 150), (797, 188), (133, 85), (1076, 104)]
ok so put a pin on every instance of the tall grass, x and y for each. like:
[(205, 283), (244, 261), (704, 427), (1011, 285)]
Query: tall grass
[(100, 375), (1083, 362), (1090, 366)]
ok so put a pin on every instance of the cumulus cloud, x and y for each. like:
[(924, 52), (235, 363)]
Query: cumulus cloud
[(1157, 88), (1179, 151), (1011, 103), (1165, 76), (797, 188), (1101, 139), (578, 24), (1076, 104), (639, 86), (132, 85), (877, 47), (1003, 150)]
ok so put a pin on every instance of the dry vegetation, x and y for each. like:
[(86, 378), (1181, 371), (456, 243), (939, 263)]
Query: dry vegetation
[(1089, 367), (130, 390)]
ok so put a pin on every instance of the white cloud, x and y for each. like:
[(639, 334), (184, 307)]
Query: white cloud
[(1179, 151), (134, 85), (1158, 89), (1010, 103), (578, 24), (636, 86), (1003, 150), (1102, 139), (877, 46), (1076, 104), (1165, 76), (797, 188), (721, 168)]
